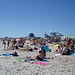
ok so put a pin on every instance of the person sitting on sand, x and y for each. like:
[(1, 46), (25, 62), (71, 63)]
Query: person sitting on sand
[(41, 55), (61, 47), (68, 51), (64, 50), (27, 48), (43, 52), (58, 50), (72, 49)]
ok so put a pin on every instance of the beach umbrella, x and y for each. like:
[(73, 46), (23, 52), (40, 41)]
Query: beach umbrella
[(17, 39), (72, 36)]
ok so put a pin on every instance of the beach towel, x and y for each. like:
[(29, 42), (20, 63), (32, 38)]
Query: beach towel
[(46, 48), (57, 54), (41, 63), (72, 54)]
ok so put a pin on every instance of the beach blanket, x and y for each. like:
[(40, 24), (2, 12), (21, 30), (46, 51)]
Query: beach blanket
[(46, 48), (41, 63), (72, 54)]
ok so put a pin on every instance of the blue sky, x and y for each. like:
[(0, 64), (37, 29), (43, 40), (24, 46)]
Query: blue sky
[(18, 18)]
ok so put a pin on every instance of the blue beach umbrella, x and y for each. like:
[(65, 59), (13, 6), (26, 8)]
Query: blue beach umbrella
[(46, 48)]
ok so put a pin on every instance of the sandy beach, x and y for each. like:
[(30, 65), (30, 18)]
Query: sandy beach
[(59, 65), (37, 37)]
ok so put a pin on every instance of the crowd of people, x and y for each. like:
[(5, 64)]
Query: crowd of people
[(65, 50), (13, 44), (66, 47)]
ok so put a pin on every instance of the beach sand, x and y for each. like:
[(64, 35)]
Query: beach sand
[(59, 65)]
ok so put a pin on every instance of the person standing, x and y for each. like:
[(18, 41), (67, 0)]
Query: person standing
[(8, 44), (4, 43)]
